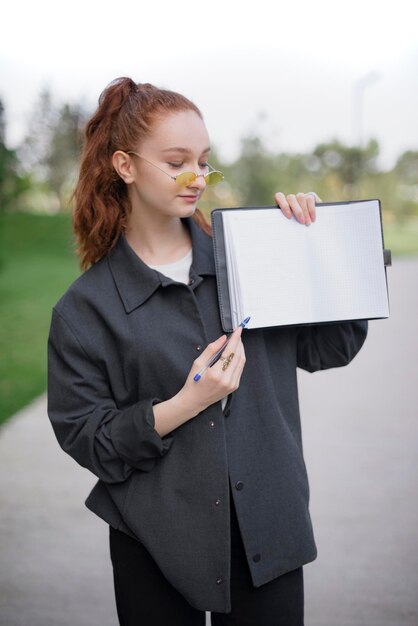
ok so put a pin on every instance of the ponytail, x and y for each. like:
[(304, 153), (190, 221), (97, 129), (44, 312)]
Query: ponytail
[(102, 206)]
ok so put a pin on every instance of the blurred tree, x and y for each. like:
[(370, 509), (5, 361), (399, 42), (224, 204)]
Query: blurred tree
[(35, 147), (407, 167), (333, 170), (406, 176), (12, 182), (254, 175), (346, 165), (52, 146), (2, 123), (63, 152)]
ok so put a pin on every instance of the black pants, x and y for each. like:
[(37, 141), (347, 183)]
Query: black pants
[(145, 598)]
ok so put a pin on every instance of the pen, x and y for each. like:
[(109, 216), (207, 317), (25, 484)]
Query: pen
[(217, 354)]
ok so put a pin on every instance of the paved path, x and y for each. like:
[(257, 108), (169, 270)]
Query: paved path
[(361, 443)]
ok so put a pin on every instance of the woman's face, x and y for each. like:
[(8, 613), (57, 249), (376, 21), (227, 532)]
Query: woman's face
[(178, 142)]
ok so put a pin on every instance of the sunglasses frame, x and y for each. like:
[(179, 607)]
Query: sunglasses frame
[(185, 184)]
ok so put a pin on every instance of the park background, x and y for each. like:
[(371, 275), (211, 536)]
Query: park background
[(302, 97), (312, 96)]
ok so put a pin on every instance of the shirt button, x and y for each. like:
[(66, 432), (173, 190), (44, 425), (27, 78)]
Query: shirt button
[(219, 580), (227, 412), (191, 281), (257, 558), (239, 485), (211, 423), (199, 348), (217, 502)]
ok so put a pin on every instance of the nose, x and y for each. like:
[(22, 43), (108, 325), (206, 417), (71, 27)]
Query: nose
[(199, 183)]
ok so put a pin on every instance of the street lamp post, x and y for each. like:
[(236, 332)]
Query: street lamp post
[(358, 96)]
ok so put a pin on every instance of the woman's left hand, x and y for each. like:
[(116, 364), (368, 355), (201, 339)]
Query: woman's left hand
[(301, 205)]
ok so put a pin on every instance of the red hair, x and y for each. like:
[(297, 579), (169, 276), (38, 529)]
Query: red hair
[(124, 116)]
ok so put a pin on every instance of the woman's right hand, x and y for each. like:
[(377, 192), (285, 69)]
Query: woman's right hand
[(216, 383)]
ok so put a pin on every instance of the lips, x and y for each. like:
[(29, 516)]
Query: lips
[(190, 199)]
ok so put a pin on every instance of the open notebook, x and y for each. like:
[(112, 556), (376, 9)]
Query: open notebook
[(281, 272)]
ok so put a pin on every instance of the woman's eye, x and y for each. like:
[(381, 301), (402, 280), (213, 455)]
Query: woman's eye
[(202, 166)]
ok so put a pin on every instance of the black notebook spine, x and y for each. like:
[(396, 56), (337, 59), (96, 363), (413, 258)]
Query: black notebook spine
[(221, 270)]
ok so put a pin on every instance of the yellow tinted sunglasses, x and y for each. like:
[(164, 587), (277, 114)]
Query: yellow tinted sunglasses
[(187, 178)]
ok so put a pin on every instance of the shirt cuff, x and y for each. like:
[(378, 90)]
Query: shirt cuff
[(135, 439)]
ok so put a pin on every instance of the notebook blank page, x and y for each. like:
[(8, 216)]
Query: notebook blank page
[(288, 273)]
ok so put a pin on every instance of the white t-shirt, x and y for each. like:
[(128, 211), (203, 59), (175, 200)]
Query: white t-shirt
[(179, 271)]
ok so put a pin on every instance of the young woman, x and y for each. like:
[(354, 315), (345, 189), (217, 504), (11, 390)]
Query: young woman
[(203, 485)]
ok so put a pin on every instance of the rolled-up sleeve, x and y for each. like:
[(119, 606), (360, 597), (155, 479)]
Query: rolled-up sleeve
[(329, 345), (111, 442)]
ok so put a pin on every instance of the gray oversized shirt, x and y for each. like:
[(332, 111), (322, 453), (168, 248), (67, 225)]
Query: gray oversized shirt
[(122, 338)]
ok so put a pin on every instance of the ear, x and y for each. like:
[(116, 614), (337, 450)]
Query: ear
[(123, 166)]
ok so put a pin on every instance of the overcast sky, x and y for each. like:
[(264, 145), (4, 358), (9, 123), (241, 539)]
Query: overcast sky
[(289, 70)]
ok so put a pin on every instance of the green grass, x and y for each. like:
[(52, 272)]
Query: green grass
[(37, 264)]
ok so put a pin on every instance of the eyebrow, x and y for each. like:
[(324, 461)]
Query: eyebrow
[(183, 150)]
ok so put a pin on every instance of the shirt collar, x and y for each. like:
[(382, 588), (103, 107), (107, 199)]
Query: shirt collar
[(136, 282)]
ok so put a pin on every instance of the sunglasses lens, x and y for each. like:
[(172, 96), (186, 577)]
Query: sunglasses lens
[(186, 178), (214, 177)]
